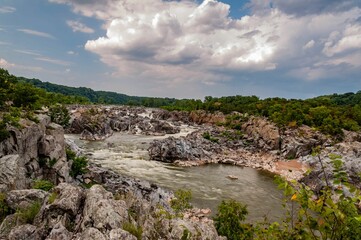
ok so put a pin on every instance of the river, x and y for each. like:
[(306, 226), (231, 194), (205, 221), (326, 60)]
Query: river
[(127, 154)]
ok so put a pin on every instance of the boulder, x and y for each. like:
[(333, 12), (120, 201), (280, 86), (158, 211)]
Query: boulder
[(263, 132), (101, 211), (59, 232), (24, 198), (24, 232), (92, 234), (119, 233), (12, 173), (68, 200)]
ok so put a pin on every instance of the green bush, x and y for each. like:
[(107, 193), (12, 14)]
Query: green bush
[(43, 185), (4, 208), (52, 197), (29, 213), (79, 166), (229, 218), (59, 114), (136, 231), (331, 215), (70, 155), (79, 163), (207, 135), (181, 201), (4, 133)]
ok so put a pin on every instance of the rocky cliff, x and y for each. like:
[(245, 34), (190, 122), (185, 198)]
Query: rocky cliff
[(113, 207)]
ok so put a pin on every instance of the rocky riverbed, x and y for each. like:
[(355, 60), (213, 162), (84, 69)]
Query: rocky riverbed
[(258, 143), (99, 204)]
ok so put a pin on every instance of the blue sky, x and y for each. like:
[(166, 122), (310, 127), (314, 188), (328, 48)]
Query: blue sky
[(186, 48)]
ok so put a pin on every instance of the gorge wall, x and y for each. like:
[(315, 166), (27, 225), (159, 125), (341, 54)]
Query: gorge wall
[(98, 204)]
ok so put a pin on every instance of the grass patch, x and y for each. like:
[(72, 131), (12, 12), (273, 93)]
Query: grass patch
[(29, 213), (43, 185), (136, 231)]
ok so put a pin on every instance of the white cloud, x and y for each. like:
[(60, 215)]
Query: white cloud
[(309, 45), (36, 33), (7, 9), (176, 43), (53, 61), (5, 64), (77, 26), (349, 39), (28, 52)]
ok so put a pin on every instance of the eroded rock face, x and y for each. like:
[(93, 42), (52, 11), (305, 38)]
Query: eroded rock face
[(12, 173), (24, 198), (101, 211), (27, 152), (349, 153), (300, 142), (265, 133), (26, 231), (191, 148)]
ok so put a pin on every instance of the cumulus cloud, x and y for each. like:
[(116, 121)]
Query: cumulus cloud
[(77, 26), (7, 9), (174, 43), (36, 33)]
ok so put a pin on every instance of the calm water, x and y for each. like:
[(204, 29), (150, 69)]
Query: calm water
[(127, 154)]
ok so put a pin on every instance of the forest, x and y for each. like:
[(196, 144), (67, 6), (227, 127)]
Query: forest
[(329, 114)]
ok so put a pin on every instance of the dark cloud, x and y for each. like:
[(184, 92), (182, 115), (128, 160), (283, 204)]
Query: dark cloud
[(250, 34)]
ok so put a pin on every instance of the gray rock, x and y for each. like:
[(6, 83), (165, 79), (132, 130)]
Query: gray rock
[(92, 234), (69, 198), (24, 232), (7, 225), (59, 232), (265, 133), (12, 173), (101, 211), (24, 198), (119, 233)]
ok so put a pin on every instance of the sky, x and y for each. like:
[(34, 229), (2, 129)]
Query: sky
[(186, 48)]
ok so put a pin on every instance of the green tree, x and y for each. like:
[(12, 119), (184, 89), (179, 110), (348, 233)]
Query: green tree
[(229, 218), (59, 114)]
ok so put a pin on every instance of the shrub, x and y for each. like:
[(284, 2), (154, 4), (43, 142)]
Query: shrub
[(79, 166), (59, 114), (181, 201), (70, 155), (4, 208), (52, 197), (207, 135), (136, 231), (228, 220), (29, 213), (4, 133), (43, 185)]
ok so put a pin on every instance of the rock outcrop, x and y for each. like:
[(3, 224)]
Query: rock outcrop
[(114, 207), (34, 150), (98, 123), (263, 132)]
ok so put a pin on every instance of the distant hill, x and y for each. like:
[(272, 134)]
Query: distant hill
[(103, 97), (329, 113)]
